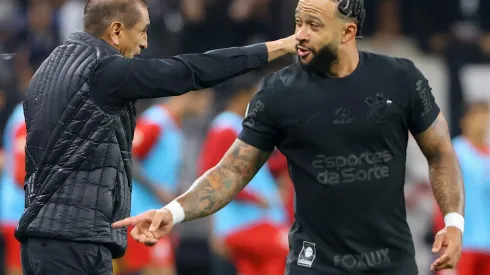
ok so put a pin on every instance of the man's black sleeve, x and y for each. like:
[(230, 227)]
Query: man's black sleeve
[(423, 109), (118, 80), (260, 128)]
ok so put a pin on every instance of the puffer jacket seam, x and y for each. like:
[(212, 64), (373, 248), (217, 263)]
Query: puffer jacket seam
[(98, 189), (68, 206)]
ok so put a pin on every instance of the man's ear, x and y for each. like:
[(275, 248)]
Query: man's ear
[(115, 32), (349, 33)]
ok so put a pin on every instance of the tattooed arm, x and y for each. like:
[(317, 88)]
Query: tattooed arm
[(444, 171), (218, 186)]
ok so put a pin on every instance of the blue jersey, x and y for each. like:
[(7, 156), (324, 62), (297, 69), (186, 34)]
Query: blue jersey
[(11, 191), (475, 167), (158, 147), (237, 214)]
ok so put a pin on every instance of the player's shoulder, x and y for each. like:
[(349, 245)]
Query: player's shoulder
[(388, 64)]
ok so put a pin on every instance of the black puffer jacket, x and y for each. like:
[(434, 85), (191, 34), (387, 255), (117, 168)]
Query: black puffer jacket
[(78, 156)]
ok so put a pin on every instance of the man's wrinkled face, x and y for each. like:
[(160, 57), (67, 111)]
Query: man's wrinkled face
[(319, 32), (133, 40)]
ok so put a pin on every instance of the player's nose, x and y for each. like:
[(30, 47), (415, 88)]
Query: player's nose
[(301, 35)]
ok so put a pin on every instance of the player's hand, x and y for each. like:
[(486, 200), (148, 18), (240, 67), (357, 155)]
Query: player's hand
[(149, 226), (141, 231), (448, 242)]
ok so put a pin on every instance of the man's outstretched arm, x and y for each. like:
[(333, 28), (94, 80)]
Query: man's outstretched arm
[(219, 185), (118, 80), (444, 170)]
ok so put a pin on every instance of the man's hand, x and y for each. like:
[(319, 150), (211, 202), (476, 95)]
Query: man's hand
[(149, 226), (281, 47), (448, 242), (290, 44)]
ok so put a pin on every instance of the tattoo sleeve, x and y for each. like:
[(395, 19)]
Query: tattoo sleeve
[(444, 170), (218, 186)]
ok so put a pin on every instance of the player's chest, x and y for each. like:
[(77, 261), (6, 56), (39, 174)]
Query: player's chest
[(359, 115)]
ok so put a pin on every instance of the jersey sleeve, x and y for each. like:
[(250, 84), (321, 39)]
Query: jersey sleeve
[(20, 154), (145, 136), (423, 109), (214, 148), (259, 127)]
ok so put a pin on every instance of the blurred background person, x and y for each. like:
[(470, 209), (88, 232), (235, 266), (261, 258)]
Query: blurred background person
[(238, 22), (252, 230), (12, 187), (461, 35), (158, 146), (13, 167), (473, 152)]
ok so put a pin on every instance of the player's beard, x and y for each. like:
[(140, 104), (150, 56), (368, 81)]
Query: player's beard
[(322, 59)]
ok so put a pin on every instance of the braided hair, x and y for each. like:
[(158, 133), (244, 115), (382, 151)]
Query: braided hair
[(354, 10)]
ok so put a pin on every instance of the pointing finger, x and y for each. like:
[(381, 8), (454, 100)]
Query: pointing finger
[(125, 223), (133, 220)]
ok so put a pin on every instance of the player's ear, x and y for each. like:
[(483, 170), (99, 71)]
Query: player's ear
[(115, 32), (349, 33)]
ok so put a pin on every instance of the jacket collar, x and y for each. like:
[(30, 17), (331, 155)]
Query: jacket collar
[(86, 38)]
